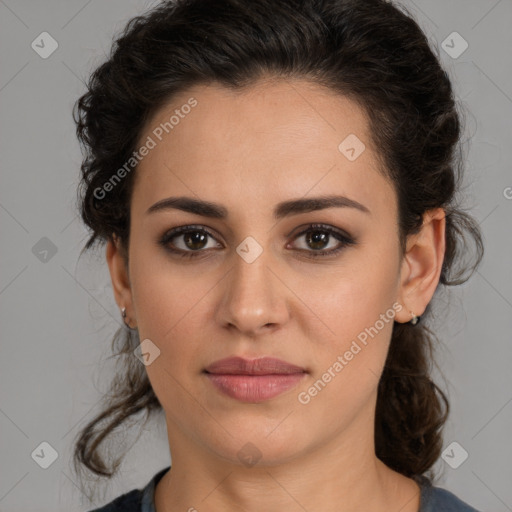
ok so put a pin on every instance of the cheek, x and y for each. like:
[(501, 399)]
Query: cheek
[(353, 296), (170, 307), (166, 299), (348, 364), (357, 306), (360, 324)]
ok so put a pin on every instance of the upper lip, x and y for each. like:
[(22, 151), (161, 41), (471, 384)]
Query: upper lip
[(262, 366)]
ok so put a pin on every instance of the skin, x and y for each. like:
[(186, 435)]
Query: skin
[(249, 150)]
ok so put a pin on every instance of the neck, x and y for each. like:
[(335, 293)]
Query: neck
[(342, 475)]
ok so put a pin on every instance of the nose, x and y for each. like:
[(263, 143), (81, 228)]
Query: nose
[(254, 300)]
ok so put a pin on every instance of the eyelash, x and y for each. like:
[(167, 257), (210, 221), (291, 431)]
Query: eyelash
[(345, 240)]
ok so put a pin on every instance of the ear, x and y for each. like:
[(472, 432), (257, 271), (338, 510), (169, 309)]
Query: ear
[(421, 265), (119, 276)]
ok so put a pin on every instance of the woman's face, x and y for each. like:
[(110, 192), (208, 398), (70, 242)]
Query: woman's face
[(247, 278)]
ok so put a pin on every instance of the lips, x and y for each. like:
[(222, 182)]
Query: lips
[(261, 366), (255, 380)]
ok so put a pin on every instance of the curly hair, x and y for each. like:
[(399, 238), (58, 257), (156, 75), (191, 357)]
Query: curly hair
[(371, 52)]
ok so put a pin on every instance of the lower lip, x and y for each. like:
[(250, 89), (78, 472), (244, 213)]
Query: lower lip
[(254, 388)]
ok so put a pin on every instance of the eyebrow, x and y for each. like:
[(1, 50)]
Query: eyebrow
[(284, 209)]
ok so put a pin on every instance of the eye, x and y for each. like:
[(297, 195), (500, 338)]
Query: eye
[(193, 239), (320, 236)]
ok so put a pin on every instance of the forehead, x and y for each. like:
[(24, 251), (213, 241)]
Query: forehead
[(276, 139)]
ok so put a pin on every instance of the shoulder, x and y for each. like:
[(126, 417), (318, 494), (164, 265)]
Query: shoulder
[(129, 502), (137, 500), (436, 499)]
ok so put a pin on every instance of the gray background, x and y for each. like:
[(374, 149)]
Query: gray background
[(58, 314)]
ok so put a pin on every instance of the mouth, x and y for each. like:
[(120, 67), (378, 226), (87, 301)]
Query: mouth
[(261, 366), (254, 380)]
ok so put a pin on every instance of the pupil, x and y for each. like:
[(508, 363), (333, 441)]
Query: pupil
[(195, 238), (319, 240)]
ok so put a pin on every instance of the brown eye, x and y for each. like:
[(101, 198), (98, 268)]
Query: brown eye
[(187, 241), (194, 239), (317, 237)]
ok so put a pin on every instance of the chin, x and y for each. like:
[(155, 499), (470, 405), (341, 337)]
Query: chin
[(265, 447)]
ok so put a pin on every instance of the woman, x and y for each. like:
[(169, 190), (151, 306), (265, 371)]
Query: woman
[(275, 184)]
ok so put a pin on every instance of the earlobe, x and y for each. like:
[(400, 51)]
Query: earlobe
[(422, 265)]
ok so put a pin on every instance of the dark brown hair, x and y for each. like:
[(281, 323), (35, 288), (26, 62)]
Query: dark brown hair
[(370, 51)]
